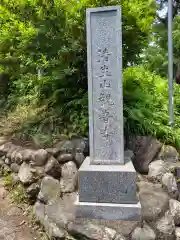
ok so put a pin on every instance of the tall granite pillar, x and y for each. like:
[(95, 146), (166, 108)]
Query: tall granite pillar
[(107, 180)]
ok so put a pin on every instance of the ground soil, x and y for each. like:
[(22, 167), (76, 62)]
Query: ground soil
[(14, 224)]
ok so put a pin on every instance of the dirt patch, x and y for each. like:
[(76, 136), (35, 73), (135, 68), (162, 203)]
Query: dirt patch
[(14, 225)]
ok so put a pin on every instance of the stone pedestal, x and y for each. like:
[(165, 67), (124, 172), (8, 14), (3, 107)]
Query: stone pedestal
[(108, 192)]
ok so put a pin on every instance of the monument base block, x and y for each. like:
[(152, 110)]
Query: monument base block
[(108, 192), (108, 211), (107, 183)]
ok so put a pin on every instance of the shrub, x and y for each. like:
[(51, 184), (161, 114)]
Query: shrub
[(146, 105)]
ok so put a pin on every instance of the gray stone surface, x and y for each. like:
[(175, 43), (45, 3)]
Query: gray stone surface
[(177, 233), (104, 47), (169, 184), (50, 190), (165, 227), (168, 154), (154, 200), (145, 149), (103, 184), (174, 207), (53, 168), (143, 233), (91, 231), (25, 174), (69, 177), (63, 210), (108, 211)]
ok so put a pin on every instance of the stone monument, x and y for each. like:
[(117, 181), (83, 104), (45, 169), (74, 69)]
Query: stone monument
[(107, 179)]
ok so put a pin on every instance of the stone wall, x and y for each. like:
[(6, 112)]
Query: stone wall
[(49, 177)]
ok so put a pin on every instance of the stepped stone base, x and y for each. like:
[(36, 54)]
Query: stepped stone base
[(108, 211), (108, 192)]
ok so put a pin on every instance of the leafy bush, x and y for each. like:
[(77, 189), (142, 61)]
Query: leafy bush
[(146, 105), (43, 49)]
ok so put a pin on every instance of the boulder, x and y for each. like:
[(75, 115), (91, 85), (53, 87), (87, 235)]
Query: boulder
[(119, 237), (26, 155), (81, 145), (7, 161), (143, 233), (15, 151), (79, 158), (40, 172), (90, 231), (165, 227), (32, 191), (157, 169), (169, 184), (26, 174), (53, 152), (15, 167), (65, 146), (68, 180), (12, 149), (53, 231), (1, 163), (40, 157), (5, 148), (17, 157), (53, 168), (39, 211), (177, 233), (145, 149), (6, 168), (154, 200), (62, 211), (168, 153), (129, 154), (65, 157), (174, 207), (49, 190)]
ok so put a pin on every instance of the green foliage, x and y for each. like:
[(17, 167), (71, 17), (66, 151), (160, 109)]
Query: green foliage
[(18, 194), (146, 106), (43, 49), (8, 181)]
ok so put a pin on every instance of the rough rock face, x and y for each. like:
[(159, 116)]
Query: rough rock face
[(157, 169), (15, 167), (177, 233), (144, 233), (168, 153), (91, 231), (169, 184), (145, 150), (165, 227), (69, 177), (53, 168), (119, 237), (79, 158), (153, 200), (26, 174), (65, 157), (32, 191), (40, 157), (175, 211), (66, 146), (62, 211), (52, 229), (50, 190)]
